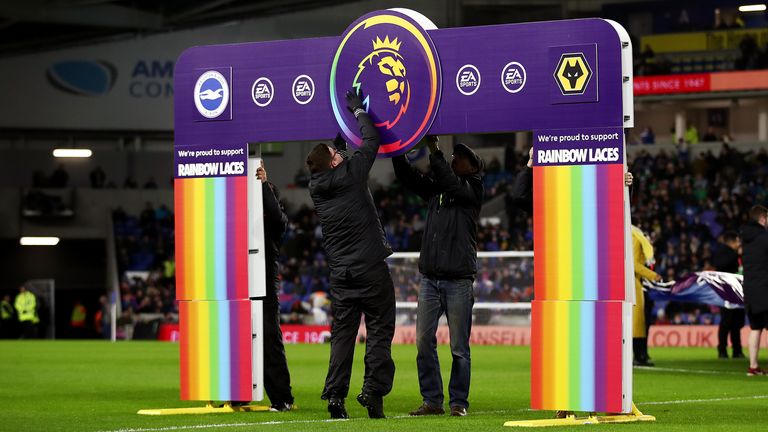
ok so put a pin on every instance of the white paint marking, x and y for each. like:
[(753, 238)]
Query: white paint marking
[(693, 371), (231, 425), (704, 400)]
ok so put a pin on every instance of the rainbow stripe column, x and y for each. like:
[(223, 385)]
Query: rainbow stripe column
[(211, 238), (215, 350), (580, 312), (215, 313)]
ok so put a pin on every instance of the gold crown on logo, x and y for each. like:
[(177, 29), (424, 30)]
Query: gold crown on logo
[(386, 43)]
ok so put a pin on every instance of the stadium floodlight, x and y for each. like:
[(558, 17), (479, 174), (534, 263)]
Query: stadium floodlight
[(72, 153), (752, 8), (39, 241)]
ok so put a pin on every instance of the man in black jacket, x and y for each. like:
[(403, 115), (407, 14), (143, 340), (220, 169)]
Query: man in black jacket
[(726, 259), (360, 280), (447, 263), (754, 240), (277, 380)]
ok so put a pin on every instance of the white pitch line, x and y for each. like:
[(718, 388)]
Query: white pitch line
[(704, 400), (231, 425), (693, 371), (275, 422)]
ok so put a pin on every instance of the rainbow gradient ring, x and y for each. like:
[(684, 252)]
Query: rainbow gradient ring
[(389, 57)]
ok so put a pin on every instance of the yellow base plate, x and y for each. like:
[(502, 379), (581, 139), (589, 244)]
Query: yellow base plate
[(209, 408), (572, 420)]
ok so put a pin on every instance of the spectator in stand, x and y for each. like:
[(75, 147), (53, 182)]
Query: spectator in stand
[(150, 184), (59, 178), (726, 259), (130, 183), (754, 238), (647, 136), (710, 136), (691, 134), (750, 54), (98, 178)]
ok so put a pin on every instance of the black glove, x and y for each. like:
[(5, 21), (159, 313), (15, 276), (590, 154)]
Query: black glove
[(339, 143), (353, 101)]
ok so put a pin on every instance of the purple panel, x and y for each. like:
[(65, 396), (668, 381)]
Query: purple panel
[(491, 50)]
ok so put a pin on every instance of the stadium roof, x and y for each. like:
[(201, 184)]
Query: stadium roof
[(41, 25), (34, 25)]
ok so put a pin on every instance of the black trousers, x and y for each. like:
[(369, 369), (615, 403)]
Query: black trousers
[(372, 295), (277, 378), (731, 322), (28, 330)]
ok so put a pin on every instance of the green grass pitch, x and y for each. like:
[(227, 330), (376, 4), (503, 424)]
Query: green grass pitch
[(99, 386)]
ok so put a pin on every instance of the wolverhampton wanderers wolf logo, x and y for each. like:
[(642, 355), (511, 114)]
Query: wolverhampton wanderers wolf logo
[(572, 74)]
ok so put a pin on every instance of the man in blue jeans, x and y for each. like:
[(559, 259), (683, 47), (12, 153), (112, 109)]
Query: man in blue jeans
[(447, 263)]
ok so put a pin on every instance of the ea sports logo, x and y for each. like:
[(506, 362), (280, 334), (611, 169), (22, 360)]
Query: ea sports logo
[(262, 91), (389, 58), (513, 77), (468, 79), (303, 89), (211, 94)]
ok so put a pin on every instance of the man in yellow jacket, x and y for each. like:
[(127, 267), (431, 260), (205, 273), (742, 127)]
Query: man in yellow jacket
[(643, 254), (26, 310)]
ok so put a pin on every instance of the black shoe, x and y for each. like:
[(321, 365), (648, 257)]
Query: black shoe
[(738, 355), (239, 404), (281, 407), (427, 409), (374, 405), (644, 363), (337, 409), (458, 411), (722, 355)]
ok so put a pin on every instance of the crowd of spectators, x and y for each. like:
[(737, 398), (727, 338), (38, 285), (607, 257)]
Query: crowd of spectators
[(145, 258), (97, 179), (683, 203)]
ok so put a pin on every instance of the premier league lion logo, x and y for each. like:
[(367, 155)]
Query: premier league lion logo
[(389, 58), (385, 66)]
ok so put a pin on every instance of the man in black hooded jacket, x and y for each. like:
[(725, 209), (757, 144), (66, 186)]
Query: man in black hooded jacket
[(754, 240), (277, 382), (356, 247), (447, 263)]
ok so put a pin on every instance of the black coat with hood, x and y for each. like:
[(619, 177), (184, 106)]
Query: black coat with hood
[(275, 225), (754, 240), (353, 238), (449, 243)]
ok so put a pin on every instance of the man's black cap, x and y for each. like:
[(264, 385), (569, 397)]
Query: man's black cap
[(467, 152)]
